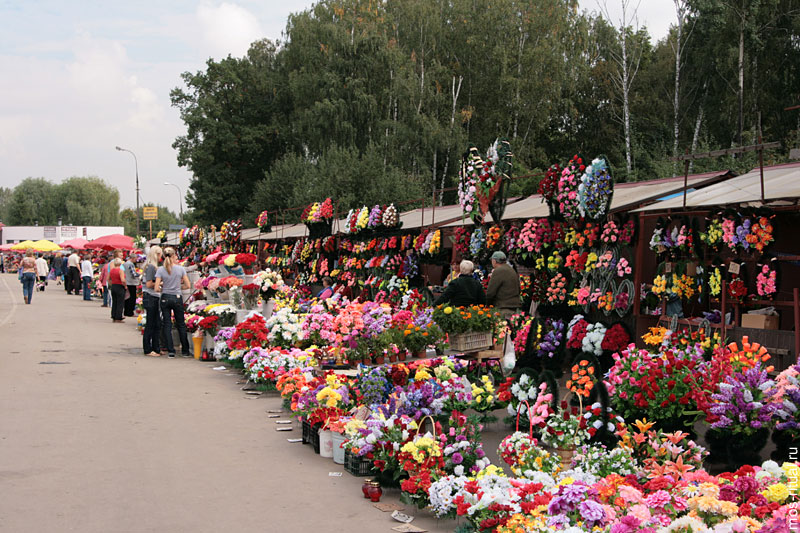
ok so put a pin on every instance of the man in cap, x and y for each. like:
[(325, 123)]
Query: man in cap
[(503, 289)]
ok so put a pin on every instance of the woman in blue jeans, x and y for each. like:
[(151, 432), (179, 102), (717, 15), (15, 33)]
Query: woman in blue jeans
[(151, 339), (28, 275), (170, 279)]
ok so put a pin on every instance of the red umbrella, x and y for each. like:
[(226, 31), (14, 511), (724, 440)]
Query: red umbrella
[(112, 242), (75, 244), (6, 247)]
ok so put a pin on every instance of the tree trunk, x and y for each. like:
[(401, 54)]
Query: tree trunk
[(522, 38), (698, 123), (676, 100), (626, 112), (741, 82), (456, 90)]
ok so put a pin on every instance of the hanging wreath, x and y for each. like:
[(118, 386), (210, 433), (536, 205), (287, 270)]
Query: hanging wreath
[(596, 189), (767, 279), (481, 182), (262, 221)]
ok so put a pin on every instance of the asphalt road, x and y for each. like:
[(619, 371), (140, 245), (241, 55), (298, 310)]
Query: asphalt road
[(95, 437)]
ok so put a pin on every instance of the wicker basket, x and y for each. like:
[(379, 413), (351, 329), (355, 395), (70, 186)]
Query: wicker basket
[(471, 342), (358, 466)]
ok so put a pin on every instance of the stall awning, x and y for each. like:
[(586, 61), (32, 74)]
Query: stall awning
[(780, 182)]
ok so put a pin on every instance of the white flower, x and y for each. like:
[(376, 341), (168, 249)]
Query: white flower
[(459, 470)]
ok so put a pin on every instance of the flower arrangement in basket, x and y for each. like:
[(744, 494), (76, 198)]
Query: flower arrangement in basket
[(318, 217), (521, 452), (658, 385)]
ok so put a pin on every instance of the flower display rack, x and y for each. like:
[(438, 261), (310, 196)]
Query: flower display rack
[(357, 466), (471, 341)]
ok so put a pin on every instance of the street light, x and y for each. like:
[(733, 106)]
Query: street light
[(136, 162), (180, 196)]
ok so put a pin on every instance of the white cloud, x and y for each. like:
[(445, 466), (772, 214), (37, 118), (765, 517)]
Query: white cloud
[(228, 28)]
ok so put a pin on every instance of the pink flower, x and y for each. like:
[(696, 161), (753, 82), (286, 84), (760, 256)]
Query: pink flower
[(658, 499), (641, 512), (630, 494)]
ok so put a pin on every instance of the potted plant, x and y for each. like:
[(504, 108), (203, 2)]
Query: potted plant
[(742, 409)]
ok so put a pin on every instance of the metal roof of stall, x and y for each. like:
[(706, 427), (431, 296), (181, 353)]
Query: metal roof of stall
[(780, 182)]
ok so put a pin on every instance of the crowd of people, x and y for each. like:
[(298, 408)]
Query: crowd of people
[(116, 278)]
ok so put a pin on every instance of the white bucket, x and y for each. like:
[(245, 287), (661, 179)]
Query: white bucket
[(325, 443), (338, 451)]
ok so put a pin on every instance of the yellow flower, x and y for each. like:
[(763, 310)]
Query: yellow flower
[(448, 310), (491, 470), (230, 260), (422, 373), (776, 493)]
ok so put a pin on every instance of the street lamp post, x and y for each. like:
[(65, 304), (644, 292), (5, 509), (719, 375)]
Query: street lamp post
[(180, 197), (136, 162)]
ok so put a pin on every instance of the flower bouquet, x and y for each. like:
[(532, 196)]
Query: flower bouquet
[(269, 282), (262, 221), (743, 409), (596, 189), (658, 386)]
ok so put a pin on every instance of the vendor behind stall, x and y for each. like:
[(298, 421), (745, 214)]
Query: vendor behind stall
[(503, 289), (464, 290)]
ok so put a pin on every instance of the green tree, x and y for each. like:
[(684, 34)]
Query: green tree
[(88, 201), (165, 217), (5, 200), (233, 112), (33, 201)]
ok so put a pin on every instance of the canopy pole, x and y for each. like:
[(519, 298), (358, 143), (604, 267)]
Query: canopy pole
[(761, 166), (685, 178)]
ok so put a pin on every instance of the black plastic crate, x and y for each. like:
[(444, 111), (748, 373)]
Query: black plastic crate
[(315, 438), (357, 466), (306, 432)]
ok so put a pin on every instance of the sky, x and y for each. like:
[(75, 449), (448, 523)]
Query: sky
[(79, 77)]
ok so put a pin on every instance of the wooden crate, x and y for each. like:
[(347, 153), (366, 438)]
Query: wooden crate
[(471, 342)]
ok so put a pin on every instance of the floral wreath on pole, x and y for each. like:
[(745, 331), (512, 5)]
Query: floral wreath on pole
[(481, 186)]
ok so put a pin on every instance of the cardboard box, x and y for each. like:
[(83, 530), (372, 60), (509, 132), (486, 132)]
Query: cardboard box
[(760, 321)]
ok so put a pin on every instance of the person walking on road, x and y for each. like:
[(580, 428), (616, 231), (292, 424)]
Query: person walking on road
[(132, 280), (74, 274), (104, 282), (42, 270), (65, 271), (117, 290), (27, 275), (86, 277), (503, 289), (170, 279), (57, 264), (151, 340)]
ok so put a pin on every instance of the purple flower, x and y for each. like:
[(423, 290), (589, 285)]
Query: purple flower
[(557, 521), (457, 458), (591, 511)]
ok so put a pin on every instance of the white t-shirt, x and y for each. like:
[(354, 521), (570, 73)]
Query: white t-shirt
[(41, 267), (86, 268), (73, 261)]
